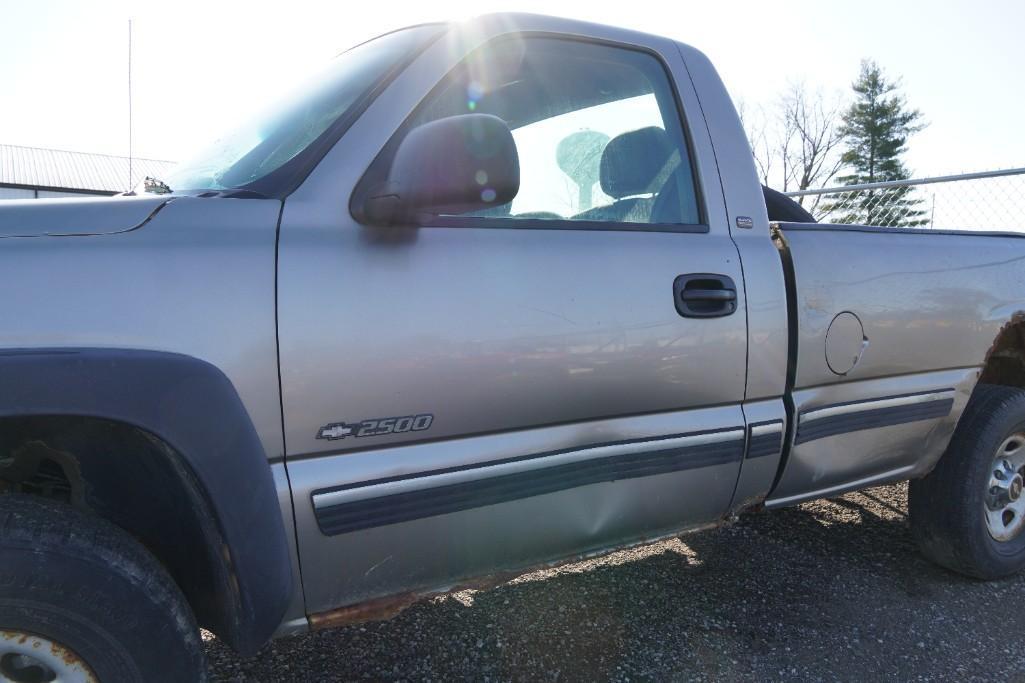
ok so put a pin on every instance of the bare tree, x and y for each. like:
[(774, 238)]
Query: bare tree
[(763, 146), (797, 145), (814, 120)]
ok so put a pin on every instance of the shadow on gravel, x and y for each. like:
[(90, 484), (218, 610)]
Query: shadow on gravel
[(831, 590)]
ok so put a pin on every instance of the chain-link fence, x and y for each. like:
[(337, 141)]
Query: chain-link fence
[(989, 200)]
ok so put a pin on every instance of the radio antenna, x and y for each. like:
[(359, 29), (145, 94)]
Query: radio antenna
[(130, 175)]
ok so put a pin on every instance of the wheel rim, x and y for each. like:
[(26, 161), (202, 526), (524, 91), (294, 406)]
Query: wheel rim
[(1005, 502), (28, 658)]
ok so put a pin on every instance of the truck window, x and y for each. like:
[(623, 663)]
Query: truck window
[(597, 130)]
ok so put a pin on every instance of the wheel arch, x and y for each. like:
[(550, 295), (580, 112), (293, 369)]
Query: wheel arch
[(161, 445), (1005, 359)]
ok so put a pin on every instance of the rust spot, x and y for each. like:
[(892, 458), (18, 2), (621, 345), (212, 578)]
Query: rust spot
[(381, 609), (749, 505), (74, 665), (371, 610), (66, 655)]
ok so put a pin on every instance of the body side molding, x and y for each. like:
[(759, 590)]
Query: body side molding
[(378, 503), (765, 438), (882, 412)]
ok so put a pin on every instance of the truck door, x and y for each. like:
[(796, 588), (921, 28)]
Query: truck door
[(532, 381)]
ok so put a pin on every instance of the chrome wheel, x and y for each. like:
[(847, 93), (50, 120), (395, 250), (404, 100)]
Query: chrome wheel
[(1005, 504), (28, 658)]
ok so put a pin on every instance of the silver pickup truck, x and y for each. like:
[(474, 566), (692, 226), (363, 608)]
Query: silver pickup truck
[(480, 298)]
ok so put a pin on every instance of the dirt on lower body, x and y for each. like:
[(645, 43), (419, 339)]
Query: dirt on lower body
[(829, 590)]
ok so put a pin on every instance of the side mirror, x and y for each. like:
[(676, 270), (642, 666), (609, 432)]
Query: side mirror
[(449, 166)]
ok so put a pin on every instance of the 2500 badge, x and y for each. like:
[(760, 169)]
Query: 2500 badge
[(378, 427)]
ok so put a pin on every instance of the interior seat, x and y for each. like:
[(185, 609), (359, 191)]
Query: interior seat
[(631, 165)]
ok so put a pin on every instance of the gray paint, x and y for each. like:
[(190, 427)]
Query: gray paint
[(574, 456), (294, 620), (432, 553), (518, 341), (810, 417), (517, 367), (197, 280), (742, 196), (840, 462), (845, 343), (757, 474), (76, 216), (927, 304), (564, 329)]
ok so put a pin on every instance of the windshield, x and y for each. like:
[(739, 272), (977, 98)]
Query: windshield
[(251, 152)]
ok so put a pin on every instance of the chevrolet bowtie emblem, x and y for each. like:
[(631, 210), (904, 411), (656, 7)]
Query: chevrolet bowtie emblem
[(335, 431)]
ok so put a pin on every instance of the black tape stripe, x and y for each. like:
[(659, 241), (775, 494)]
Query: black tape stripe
[(765, 444), (428, 502), (871, 419)]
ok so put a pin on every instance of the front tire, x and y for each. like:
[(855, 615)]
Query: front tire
[(968, 514), (80, 599)]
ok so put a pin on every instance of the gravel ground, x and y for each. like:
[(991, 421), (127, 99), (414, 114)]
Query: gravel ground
[(830, 590)]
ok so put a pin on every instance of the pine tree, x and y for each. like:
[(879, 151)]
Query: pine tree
[(875, 129)]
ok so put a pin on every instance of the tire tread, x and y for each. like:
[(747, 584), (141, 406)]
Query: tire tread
[(942, 506), (34, 524)]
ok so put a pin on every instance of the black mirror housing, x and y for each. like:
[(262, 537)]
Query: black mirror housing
[(449, 166)]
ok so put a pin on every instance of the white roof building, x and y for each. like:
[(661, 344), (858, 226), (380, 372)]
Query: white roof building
[(33, 172)]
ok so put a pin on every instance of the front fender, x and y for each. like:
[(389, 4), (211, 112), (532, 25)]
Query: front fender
[(193, 407)]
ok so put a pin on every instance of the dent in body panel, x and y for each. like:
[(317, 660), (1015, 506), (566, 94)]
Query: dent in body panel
[(386, 607), (870, 450), (844, 418), (432, 494), (443, 550), (498, 330), (927, 302)]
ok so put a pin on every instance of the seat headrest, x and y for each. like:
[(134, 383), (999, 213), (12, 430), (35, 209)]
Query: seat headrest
[(631, 161)]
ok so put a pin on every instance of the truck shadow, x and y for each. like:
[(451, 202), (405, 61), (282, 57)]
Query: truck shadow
[(830, 589)]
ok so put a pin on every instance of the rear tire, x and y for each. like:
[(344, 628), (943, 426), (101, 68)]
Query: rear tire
[(968, 514), (89, 593)]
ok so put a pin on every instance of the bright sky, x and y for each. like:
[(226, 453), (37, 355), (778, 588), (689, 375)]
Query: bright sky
[(199, 65)]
